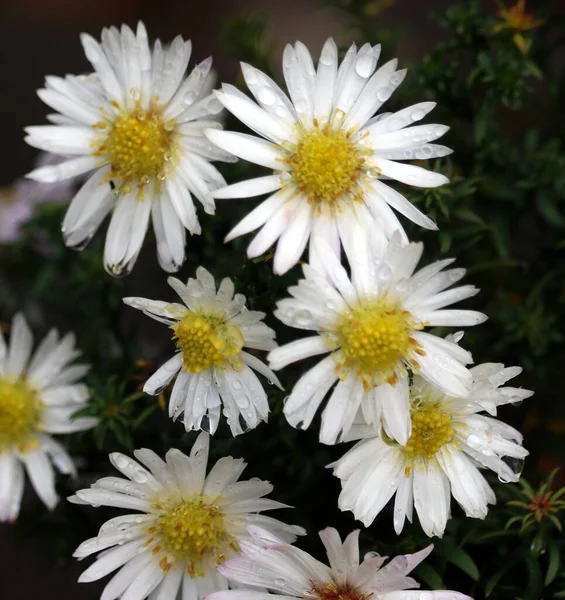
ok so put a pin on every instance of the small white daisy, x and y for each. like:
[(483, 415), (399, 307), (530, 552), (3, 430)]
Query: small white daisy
[(292, 573), (38, 396), (448, 444), (213, 367), (328, 153), (186, 523), (372, 325), (139, 122)]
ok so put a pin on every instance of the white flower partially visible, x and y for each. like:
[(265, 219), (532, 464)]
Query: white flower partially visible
[(211, 331), (448, 444), (39, 394), (371, 324), (292, 573), (138, 121), (328, 152), (185, 524)]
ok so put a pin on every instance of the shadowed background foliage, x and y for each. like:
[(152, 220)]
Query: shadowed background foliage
[(497, 76)]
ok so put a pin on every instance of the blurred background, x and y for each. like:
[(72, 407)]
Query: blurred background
[(498, 79)]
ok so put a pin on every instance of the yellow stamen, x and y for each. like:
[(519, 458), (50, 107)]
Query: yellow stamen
[(326, 165), (375, 340), (208, 341), (431, 429), (137, 144), (194, 531), (20, 412)]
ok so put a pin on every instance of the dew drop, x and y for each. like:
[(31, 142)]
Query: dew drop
[(251, 76), (140, 477), (364, 65), (516, 464), (266, 96), (279, 580), (373, 173), (121, 461), (303, 317), (300, 106), (189, 98), (237, 384), (328, 56), (384, 93)]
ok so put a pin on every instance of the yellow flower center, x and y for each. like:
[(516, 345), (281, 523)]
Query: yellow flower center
[(326, 165), (137, 145), (20, 411), (207, 341), (194, 531), (375, 338), (431, 429)]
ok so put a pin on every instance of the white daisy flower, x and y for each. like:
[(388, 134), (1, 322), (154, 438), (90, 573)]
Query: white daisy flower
[(292, 573), (38, 396), (328, 152), (186, 523), (211, 332), (138, 122), (448, 444), (371, 324)]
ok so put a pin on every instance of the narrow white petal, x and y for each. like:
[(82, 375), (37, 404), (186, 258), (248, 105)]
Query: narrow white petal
[(250, 188), (249, 148), (410, 174)]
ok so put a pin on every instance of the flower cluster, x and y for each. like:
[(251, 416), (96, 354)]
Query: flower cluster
[(423, 419)]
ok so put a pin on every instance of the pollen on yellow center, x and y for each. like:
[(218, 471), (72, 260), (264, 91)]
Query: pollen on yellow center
[(194, 531), (207, 341), (20, 411), (326, 165), (137, 144), (375, 338), (431, 429)]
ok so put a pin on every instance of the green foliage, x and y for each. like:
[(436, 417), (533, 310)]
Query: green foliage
[(502, 216)]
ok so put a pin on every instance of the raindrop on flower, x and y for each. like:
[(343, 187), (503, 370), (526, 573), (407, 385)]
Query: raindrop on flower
[(266, 96)]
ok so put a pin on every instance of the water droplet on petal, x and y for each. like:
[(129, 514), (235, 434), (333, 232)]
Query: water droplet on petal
[(121, 461), (266, 96), (189, 98)]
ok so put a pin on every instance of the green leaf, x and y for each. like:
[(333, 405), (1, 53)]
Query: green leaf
[(457, 556), (535, 584), (554, 562), (510, 561), (429, 576)]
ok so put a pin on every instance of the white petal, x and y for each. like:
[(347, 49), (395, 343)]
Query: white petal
[(42, 477), (21, 342), (250, 187), (61, 139), (162, 377), (298, 350), (402, 205), (64, 170), (274, 228), (249, 148), (260, 214), (293, 240), (410, 174), (255, 117)]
